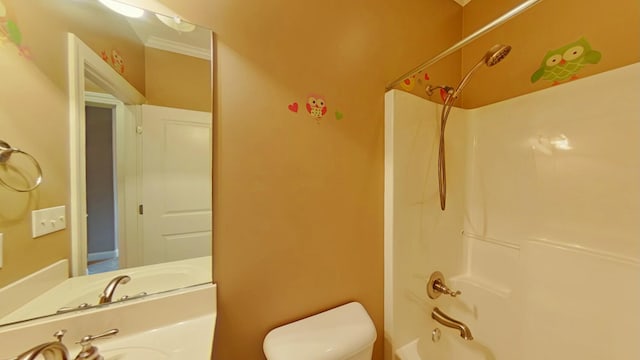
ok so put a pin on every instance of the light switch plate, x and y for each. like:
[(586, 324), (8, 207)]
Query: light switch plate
[(46, 221)]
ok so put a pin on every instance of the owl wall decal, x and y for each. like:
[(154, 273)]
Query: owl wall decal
[(10, 32), (316, 106), (565, 62), (117, 61)]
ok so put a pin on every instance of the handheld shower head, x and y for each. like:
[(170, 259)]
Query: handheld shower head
[(496, 54), (492, 57)]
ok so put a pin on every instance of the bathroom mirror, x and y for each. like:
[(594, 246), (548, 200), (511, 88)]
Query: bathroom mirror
[(140, 160)]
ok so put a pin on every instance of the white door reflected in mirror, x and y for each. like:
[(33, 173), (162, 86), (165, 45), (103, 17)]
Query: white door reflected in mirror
[(176, 184)]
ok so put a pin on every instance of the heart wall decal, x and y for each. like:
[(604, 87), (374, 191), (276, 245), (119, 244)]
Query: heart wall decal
[(293, 107)]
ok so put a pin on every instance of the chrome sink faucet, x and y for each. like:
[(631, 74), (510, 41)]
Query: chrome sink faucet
[(447, 321), (54, 350), (107, 294)]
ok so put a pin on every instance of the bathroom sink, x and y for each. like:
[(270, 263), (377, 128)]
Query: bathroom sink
[(171, 326), (172, 342), (134, 353)]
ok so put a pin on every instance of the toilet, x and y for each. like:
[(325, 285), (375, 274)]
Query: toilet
[(342, 333)]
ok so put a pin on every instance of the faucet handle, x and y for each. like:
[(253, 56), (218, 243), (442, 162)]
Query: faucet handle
[(441, 287), (127, 297), (86, 340), (69, 308), (436, 286), (90, 352)]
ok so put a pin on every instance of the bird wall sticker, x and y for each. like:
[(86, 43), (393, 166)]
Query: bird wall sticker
[(117, 61), (316, 107), (10, 32), (563, 64), (409, 83)]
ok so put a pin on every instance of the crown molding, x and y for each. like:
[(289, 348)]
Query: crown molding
[(176, 47)]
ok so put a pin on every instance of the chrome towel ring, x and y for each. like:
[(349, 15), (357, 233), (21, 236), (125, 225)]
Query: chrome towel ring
[(6, 151)]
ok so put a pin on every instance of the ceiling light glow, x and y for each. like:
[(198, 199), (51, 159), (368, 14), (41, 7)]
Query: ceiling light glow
[(123, 9), (176, 23)]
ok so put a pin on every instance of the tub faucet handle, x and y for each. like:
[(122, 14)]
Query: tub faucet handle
[(441, 287), (436, 286)]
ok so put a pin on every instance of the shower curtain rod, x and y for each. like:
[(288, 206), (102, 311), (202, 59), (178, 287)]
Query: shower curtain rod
[(490, 26)]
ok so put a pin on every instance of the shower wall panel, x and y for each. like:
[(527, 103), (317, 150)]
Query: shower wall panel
[(419, 237), (553, 202), (548, 188)]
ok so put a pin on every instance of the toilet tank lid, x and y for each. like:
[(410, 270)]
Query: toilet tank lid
[(331, 335)]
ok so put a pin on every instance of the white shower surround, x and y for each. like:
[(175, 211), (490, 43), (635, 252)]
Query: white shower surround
[(546, 187)]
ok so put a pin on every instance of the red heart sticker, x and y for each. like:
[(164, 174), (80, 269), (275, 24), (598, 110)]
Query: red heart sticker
[(293, 107)]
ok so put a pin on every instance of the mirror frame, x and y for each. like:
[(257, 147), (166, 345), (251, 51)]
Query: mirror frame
[(84, 64)]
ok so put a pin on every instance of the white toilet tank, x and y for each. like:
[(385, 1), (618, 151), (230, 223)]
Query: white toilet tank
[(342, 333)]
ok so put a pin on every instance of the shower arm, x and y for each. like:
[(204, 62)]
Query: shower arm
[(460, 44)]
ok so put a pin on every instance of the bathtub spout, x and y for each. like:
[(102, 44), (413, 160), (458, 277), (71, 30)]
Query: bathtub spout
[(445, 320)]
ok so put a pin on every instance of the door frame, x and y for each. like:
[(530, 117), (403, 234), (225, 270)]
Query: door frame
[(126, 170), (84, 64)]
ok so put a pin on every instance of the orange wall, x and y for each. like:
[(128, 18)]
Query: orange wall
[(298, 202), (612, 29), (298, 210), (298, 205), (34, 117), (547, 26), (178, 81), (44, 27)]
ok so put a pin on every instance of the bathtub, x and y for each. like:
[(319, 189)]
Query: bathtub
[(483, 306), (447, 347)]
